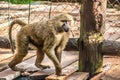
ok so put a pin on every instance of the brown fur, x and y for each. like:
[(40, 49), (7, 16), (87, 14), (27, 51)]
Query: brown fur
[(49, 37)]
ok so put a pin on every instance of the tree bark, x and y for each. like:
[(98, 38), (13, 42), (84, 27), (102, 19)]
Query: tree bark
[(111, 47), (108, 47), (91, 38)]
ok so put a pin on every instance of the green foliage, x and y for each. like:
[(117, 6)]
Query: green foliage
[(19, 1)]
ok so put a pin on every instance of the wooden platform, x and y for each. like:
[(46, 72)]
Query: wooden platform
[(68, 58), (113, 71), (69, 65), (78, 76), (6, 56), (70, 73)]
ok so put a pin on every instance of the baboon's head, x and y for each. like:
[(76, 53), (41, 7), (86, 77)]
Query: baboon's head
[(63, 22)]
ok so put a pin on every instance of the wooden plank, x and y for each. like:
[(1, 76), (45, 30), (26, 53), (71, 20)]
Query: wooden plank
[(3, 67), (112, 74), (9, 74), (5, 61), (29, 65), (68, 57), (67, 71), (100, 75), (40, 75), (5, 54), (78, 76), (111, 69), (105, 75)]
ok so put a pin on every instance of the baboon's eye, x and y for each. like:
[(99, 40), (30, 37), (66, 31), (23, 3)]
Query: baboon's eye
[(65, 20)]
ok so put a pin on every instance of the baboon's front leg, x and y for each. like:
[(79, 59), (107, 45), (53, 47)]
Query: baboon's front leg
[(58, 53), (59, 49), (39, 59), (52, 56), (50, 52), (49, 49)]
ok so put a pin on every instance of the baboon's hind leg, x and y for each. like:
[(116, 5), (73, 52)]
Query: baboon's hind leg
[(21, 52), (39, 59)]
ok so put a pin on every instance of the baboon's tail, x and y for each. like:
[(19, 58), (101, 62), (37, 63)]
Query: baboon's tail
[(10, 32)]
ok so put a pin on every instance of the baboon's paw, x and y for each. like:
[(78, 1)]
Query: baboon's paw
[(60, 74), (43, 66), (17, 69)]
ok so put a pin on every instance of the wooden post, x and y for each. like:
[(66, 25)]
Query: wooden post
[(91, 38)]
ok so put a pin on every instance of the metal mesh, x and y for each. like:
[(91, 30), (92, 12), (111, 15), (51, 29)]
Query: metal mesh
[(112, 29), (43, 10)]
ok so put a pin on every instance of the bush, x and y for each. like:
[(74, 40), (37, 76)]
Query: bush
[(19, 1)]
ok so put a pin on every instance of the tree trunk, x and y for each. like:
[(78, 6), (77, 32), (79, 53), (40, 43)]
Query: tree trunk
[(91, 38), (108, 47)]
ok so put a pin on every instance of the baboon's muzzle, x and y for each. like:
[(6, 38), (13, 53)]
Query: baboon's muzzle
[(65, 27)]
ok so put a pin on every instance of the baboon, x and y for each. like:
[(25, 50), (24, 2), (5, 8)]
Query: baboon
[(48, 37)]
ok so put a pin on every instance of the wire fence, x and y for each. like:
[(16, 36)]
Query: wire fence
[(43, 10)]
